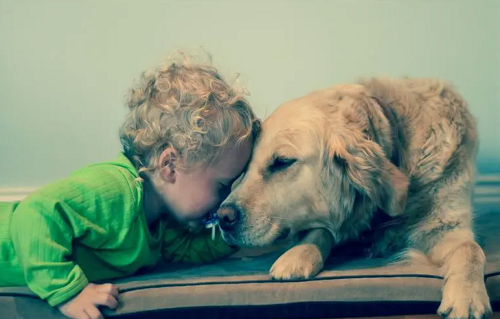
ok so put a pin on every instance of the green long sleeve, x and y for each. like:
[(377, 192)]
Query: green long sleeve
[(45, 254), (87, 227), (90, 227)]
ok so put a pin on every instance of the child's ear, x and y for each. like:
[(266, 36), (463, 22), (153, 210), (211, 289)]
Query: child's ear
[(168, 165)]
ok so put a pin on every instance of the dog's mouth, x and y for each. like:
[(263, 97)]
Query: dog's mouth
[(255, 238)]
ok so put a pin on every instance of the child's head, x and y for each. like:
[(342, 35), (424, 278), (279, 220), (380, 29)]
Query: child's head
[(190, 132)]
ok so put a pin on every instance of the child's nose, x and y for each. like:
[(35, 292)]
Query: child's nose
[(229, 215)]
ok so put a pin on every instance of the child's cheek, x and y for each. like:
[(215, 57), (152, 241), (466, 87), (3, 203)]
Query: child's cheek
[(205, 205), (202, 204)]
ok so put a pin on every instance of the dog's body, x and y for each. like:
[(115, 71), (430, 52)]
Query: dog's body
[(325, 163)]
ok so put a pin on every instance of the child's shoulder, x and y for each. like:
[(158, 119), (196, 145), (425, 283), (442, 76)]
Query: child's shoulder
[(108, 180), (95, 193), (118, 175), (119, 169)]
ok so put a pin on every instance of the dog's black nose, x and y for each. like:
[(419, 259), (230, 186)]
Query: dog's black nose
[(229, 216)]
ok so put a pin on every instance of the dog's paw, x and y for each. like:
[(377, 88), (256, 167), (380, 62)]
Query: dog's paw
[(463, 303), (299, 262)]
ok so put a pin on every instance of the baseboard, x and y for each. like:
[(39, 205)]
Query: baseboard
[(12, 194), (487, 190)]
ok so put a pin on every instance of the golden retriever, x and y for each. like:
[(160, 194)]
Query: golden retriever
[(327, 164)]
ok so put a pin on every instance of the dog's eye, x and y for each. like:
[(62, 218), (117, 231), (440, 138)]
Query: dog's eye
[(281, 163)]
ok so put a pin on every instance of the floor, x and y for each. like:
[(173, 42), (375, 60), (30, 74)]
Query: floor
[(494, 316)]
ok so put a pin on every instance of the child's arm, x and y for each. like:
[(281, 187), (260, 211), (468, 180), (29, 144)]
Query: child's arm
[(42, 231), (181, 245), (89, 208)]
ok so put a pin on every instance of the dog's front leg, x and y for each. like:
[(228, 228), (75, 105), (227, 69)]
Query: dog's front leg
[(462, 262), (306, 259)]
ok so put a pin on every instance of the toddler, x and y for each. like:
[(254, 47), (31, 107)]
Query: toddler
[(187, 137)]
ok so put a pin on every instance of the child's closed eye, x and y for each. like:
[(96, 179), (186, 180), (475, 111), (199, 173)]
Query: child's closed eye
[(224, 185), (224, 188)]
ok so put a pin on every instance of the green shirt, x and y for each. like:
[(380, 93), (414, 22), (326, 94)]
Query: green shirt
[(88, 227)]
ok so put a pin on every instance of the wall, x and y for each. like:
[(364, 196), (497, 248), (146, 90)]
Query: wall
[(66, 65)]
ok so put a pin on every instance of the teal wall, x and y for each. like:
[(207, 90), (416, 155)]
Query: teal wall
[(66, 65)]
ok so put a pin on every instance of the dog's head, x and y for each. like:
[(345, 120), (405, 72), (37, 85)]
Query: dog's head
[(319, 161)]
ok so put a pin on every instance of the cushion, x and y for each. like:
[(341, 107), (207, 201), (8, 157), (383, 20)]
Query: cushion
[(241, 288)]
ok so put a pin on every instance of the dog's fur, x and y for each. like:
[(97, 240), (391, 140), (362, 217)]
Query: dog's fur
[(326, 164)]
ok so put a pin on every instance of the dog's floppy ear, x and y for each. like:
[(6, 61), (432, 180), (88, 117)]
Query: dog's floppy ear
[(370, 172)]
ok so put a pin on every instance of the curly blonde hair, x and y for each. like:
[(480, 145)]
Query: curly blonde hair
[(188, 106)]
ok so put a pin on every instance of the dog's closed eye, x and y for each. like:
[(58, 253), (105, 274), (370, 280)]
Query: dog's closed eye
[(280, 163)]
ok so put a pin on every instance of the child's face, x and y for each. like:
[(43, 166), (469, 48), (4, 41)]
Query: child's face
[(191, 194)]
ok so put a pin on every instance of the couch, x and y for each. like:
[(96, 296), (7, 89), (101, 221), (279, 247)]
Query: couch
[(240, 287)]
